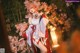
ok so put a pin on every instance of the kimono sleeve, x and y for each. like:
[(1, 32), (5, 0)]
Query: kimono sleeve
[(43, 23)]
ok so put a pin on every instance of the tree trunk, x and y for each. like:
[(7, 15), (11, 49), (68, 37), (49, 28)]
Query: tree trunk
[(4, 42)]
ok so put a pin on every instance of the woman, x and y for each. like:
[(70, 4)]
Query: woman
[(36, 32)]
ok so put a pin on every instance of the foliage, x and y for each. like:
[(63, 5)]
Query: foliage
[(14, 10)]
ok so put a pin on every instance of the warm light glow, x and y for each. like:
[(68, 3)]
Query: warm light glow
[(54, 37)]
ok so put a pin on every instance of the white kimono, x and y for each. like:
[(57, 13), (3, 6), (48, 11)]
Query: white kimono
[(39, 31)]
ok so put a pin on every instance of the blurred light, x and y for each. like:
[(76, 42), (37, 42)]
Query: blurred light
[(54, 37)]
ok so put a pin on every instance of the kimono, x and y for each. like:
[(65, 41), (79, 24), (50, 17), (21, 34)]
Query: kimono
[(36, 31)]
